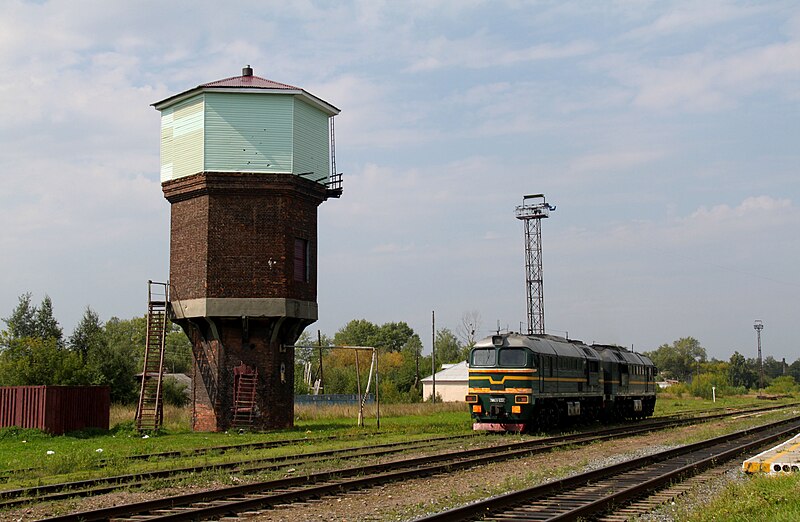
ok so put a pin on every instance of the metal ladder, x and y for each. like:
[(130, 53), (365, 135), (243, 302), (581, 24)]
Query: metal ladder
[(333, 187), (150, 411), (245, 381)]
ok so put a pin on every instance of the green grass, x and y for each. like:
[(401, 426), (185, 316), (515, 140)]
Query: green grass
[(79, 452), (760, 497), (78, 455), (667, 404)]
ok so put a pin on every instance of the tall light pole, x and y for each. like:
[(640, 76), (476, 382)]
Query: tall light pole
[(534, 208), (759, 325)]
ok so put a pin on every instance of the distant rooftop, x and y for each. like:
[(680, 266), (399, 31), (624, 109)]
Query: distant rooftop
[(451, 373)]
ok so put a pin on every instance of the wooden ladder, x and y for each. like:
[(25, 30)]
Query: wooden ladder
[(150, 410), (245, 381)]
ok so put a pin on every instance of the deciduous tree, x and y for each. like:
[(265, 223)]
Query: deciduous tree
[(468, 328), (679, 360), (740, 372), (447, 348)]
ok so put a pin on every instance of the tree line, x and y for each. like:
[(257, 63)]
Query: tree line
[(400, 360), (34, 351), (685, 360)]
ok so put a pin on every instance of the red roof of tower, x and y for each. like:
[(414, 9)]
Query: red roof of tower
[(255, 82), (244, 83)]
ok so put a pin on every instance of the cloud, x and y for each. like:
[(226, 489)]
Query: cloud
[(757, 205), (707, 81), (613, 161), (721, 228), (691, 17), (643, 122), (718, 74), (481, 51), (374, 114), (756, 214)]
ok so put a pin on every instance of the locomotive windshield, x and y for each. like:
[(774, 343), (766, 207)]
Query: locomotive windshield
[(513, 357), (483, 357)]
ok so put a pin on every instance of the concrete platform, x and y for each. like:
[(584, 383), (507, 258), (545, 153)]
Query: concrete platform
[(783, 458)]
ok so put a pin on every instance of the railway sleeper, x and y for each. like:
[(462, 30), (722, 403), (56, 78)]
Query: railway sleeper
[(659, 498)]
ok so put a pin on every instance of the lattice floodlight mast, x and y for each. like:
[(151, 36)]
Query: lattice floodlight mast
[(759, 325), (534, 208)]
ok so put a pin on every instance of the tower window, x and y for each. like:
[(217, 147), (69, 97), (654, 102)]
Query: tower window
[(302, 267)]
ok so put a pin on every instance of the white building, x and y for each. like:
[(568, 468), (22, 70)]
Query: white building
[(451, 383)]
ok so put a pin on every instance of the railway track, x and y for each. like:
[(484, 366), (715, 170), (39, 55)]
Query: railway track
[(591, 494), (98, 486), (222, 449), (211, 450), (90, 487), (264, 495)]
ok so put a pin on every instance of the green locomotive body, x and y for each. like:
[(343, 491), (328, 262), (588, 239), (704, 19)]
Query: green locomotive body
[(530, 382)]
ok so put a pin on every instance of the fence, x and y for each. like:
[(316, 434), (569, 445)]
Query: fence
[(55, 409), (331, 398)]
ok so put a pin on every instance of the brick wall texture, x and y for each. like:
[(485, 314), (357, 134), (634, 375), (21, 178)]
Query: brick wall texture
[(233, 236), (212, 383)]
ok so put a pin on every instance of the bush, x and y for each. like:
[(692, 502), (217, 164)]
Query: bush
[(678, 390), (783, 385), (174, 392), (703, 384)]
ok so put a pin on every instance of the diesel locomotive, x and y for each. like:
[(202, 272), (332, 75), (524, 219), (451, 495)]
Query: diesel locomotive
[(538, 382)]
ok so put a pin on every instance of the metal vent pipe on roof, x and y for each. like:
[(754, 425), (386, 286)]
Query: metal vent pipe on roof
[(247, 71)]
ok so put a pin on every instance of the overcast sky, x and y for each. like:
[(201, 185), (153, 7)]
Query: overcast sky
[(666, 133)]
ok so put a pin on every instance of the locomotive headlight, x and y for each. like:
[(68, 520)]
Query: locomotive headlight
[(476, 408), (471, 399), (516, 409), (522, 399)]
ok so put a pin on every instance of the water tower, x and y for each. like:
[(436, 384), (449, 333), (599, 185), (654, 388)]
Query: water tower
[(245, 162)]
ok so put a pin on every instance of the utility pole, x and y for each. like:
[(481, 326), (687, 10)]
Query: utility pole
[(433, 355), (319, 343), (534, 208), (759, 325)]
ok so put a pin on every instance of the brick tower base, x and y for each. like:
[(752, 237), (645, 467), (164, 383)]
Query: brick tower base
[(243, 282), (256, 344)]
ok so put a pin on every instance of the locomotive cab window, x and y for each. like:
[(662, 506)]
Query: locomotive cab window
[(513, 357), (484, 357)]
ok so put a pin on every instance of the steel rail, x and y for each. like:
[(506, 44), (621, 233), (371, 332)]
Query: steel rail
[(219, 450), (285, 442), (100, 486), (707, 460), (91, 487), (511, 503), (387, 472)]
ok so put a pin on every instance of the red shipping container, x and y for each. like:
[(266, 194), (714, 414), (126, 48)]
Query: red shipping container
[(55, 409)]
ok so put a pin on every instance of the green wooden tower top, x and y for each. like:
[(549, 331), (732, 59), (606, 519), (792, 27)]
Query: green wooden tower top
[(247, 124)]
